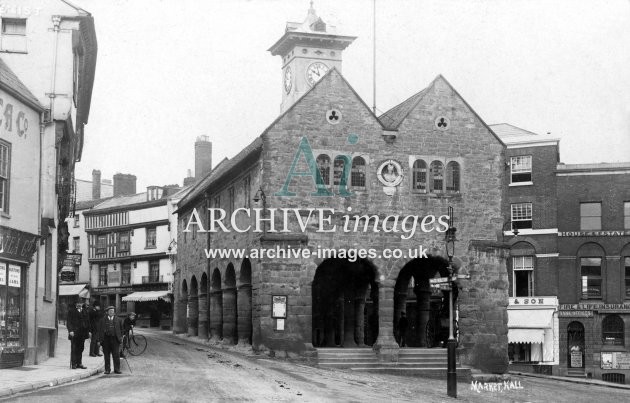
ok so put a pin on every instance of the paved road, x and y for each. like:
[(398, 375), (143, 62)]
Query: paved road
[(171, 370)]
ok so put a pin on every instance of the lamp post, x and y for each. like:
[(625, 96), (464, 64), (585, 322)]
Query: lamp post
[(451, 345)]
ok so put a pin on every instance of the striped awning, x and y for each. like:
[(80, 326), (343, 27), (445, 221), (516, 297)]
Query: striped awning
[(140, 296), (526, 335)]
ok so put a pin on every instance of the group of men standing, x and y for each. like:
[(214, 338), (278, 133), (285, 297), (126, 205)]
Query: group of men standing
[(107, 330)]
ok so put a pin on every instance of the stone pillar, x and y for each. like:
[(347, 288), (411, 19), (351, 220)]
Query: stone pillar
[(179, 319), (359, 320), (423, 298), (203, 316), (216, 315), (193, 315), (244, 314), (349, 320), (229, 315), (386, 346)]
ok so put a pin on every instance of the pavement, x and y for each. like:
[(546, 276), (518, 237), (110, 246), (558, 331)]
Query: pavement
[(50, 373)]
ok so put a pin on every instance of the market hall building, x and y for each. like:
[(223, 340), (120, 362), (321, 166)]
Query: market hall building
[(430, 152)]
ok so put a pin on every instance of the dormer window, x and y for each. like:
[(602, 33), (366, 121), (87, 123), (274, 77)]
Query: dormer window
[(154, 193)]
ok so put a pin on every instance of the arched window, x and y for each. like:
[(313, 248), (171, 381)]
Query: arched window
[(357, 175), (613, 330), (323, 163), (437, 177), (452, 177), (419, 178), (338, 170)]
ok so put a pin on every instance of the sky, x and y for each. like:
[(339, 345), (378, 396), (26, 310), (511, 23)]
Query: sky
[(171, 70)]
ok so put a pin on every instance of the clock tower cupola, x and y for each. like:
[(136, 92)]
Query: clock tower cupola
[(308, 50)]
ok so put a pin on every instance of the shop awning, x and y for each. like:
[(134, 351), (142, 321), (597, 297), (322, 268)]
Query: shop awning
[(526, 335), (147, 296), (74, 289), (530, 318)]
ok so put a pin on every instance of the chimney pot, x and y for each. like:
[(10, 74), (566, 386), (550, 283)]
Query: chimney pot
[(96, 184)]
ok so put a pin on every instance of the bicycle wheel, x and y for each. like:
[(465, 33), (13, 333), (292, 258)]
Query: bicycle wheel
[(137, 344)]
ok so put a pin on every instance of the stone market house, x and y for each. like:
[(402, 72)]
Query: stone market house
[(430, 152)]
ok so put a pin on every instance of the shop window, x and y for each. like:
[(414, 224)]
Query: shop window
[(11, 283), (323, 163), (419, 178), (152, 234), (338, 168), (14, 35), (520, 352), (590, 216), (521, 215), (591, 272), (123, 241), (521, 169), (436, 181), (627, 271), (101, 244), (523, 276), (76, 244), (357, 175), (626, 215), (452, 177), (126, 274), (102, 275), (5, 170), (613, 330)]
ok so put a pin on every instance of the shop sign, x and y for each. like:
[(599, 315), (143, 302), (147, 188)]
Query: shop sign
[(17, 244), (67, 276), (615, 360), (111, 290), (534, 301), (594, 233), (14, 276), (575, 314), (604, 308)]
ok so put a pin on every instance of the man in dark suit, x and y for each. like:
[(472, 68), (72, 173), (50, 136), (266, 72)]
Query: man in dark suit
[(110, 337), (78, 330), (95, 317)]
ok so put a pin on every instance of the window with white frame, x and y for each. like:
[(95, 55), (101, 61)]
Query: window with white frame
[(323, 164), (591, 216), (521, 169), (76, 244), (102, 274), (627, 273), (591, 272), (14, 35), (419, 177), (436, 180), (5, 170), (123, 241), (76, 220), (521, 215), (523, 276), (452, 177), (101, 244), (151, 237), (338, 168), (357, 175)]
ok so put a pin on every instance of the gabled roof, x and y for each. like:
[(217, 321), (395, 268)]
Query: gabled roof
[(395, 116), (507, 130), (516, 137), (10, 82)]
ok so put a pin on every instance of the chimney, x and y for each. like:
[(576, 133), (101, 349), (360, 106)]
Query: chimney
[(96, 184), (124, 184), (203, 157)]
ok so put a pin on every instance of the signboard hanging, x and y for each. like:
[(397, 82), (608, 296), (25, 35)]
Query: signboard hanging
[(14, 276)]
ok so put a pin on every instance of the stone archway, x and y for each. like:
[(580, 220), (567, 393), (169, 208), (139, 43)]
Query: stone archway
[(193, 307), (426, 308), (244, 304), (203, 307), (229, 306), (345, 304), (216, 306), (180, 324)]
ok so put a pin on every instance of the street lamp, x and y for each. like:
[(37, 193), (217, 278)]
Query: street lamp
[(512, 228), (451, 345)]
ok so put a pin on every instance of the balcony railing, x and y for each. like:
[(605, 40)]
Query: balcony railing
[(152, 279)]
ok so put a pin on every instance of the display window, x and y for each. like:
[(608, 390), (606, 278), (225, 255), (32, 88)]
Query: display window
[(10, 305)]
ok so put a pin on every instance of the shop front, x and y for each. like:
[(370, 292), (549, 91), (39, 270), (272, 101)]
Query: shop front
[(533, 334), (152, 307), (16, 251)]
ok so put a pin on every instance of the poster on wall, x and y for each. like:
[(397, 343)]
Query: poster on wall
[(279, 306), (14, 275), (615, 360), (576, 357), (3, 274)]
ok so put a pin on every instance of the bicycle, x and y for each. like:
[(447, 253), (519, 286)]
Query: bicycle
[(135, 344)]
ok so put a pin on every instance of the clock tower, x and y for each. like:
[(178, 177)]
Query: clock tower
[(308, 50)]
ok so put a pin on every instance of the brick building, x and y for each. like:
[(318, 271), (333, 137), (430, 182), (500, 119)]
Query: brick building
[(430, 152)]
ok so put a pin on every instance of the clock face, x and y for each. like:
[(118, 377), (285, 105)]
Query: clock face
[(315, 72), (288, 79)]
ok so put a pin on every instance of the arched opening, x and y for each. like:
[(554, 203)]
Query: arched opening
[(180, 324), (345, 304), (216, 306), (193, 308), (203, 307), (575, 342), (229, 306), (425, 307), (244, 302)]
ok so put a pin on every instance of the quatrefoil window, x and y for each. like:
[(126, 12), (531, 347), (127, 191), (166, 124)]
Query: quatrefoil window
[(442, 123)]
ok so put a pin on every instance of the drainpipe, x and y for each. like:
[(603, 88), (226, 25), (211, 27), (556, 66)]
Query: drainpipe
[(42, 128), (53, 82)]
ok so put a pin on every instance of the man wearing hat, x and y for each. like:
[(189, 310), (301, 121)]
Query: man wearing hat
[(95, 317), (78, 330), (110, 337)]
